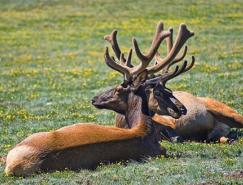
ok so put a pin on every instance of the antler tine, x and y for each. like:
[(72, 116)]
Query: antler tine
[(128, 62), (160, 78), (114, 44), (157, 39), (176, 60), (173, 74), (159, 36), (183, 35), (118, 67), (169, 40), (169, 75), (122, 59), (181, 70), (190, 66)]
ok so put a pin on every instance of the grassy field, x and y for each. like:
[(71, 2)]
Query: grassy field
[(51, 65)]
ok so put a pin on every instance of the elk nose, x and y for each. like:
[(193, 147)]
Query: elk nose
[(94, 100), (183, 110)]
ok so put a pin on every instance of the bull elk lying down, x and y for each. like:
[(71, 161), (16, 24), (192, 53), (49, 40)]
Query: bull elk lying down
[(76, 146), (206, 118)]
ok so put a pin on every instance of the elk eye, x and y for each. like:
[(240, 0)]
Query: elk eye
[(157, 93), (125, 84)]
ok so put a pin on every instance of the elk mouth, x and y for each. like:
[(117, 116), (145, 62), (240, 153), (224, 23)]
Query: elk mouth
[(176, 111), (182, 110), (172, 106), (96, 103), (177, 108)]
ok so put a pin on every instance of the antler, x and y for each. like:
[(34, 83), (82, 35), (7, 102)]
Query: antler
[(172, 49), (124, 66)]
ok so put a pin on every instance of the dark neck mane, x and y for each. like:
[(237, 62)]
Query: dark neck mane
[(137, 112)]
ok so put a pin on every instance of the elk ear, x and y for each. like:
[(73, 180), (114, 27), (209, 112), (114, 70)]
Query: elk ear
[(140, 78), (121, 89)]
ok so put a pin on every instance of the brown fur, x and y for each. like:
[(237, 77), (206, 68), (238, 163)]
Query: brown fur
[(165, 120), (83, 156), (223, 112), (81, 134)]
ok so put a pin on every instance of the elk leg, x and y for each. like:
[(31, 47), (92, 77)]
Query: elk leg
[(219, 133)]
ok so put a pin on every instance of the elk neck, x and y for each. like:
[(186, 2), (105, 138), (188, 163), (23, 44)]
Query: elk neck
[(137, 112)]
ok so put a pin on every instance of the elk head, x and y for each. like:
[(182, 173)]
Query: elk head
[(140, 77)]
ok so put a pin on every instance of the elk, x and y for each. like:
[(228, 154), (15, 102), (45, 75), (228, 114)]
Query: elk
[(76, 146), (206, 118)]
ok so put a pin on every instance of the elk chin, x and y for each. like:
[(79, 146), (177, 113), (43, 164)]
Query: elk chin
[(97, 105), (173, 113)]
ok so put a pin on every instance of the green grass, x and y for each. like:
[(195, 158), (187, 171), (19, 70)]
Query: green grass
[(51, 65)]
